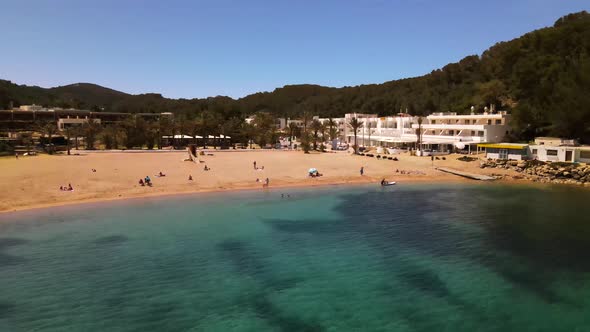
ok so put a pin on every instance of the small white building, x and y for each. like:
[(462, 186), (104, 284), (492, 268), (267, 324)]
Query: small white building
[(560, 153), (507, 151)]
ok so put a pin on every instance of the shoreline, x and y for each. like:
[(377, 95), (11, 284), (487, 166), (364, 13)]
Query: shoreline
[(32, 183), (120, 198), (164, 195)]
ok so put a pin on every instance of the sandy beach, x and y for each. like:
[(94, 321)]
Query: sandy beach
[(32, 182)]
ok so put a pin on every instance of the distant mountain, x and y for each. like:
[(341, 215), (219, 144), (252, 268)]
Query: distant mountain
[(543, 78)]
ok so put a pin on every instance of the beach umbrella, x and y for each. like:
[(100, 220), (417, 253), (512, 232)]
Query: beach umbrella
[(312, 170)]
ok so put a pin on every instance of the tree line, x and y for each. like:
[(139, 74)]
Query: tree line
[(542, 78)]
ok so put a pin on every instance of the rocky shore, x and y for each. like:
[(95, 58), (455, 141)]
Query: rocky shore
[(546, 172)]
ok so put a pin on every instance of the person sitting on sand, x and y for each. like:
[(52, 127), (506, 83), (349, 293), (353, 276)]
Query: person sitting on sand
[(257, 180), (141, 183), (70, 187), (190, 177), (61, 188), (147, 180), (161, 174), (206, 168)]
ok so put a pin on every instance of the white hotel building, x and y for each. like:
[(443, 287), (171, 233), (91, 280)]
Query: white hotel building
[(440, 131)]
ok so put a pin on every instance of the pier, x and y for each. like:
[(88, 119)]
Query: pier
[(465, 174)]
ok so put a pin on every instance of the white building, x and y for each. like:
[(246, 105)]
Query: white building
[(560, 153), (440, 131), (506, 151)]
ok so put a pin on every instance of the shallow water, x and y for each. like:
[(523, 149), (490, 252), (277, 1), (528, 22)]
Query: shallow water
[(405, 258)]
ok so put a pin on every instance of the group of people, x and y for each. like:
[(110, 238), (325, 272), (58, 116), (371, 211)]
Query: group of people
[(68, 188), (206, 168), (266, 182), (145, 181), (261, 168)]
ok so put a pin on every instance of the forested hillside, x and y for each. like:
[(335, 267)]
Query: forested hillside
[(543, 78)]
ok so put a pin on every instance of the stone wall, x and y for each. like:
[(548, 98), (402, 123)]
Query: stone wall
[(539, 171)]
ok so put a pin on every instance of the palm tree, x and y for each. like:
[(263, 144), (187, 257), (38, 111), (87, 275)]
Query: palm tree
[(316, 127), (332, 129), (48, 129), (355, 124), (306, 118), (90, 130), (292, 127), (419, 134)]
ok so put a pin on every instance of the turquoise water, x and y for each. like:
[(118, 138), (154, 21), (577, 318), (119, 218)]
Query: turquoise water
[(405, 258)]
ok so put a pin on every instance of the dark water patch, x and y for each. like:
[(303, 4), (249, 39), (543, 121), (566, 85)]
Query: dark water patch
[(266, 310), (7, 242), (309, 226), (426, 281), (248, 261), (7, 309), (6, 260), (111, 240)]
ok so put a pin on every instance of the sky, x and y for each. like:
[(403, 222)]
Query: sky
[(196, 49)]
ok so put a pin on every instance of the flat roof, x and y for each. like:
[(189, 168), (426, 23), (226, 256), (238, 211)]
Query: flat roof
[(511, 146)]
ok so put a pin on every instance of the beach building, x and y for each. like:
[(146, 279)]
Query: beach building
[(560, 153), (507, 151), (26, 116), (441, 132)]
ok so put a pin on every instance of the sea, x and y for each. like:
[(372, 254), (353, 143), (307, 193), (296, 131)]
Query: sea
[(410, 257)]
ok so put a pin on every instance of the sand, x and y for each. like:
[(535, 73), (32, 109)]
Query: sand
[(32, 182)]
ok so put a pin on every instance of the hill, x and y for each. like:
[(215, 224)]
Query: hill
[(543, 78)]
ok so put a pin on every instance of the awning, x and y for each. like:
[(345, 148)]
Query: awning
[(503, 146), (178, 136)]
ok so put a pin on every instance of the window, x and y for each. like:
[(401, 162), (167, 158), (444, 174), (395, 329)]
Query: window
[(451, 132), (552, 152), (480, 133), (498, 122), (473, 133), (585, 154), (534, 151), (489, 122)]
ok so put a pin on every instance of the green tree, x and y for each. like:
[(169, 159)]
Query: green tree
[(355, 124), (315, 127), (90, 131), (48, 129)]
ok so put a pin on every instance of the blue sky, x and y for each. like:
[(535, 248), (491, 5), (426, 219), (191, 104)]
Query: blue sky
[(188, 49)]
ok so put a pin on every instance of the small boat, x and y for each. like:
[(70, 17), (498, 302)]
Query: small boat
[(389, 183)]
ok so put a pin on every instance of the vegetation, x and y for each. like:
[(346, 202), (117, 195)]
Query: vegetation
[(355, 124), (542, 78)]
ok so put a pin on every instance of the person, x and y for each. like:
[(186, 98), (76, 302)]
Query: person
[(16, 155), (255, 164), (93, 170), (266, 182), (141, 182), (161, 174), (148, 181), (257, 180), (70, 187), (362, 170), (206, 168), (190, 177), (383, 182), (61, 188)]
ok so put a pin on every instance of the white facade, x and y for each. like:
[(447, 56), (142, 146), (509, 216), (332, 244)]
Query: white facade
[(72, 122), (441, 130), (560, 153)]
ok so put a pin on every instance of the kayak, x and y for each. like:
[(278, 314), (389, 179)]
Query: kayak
[(390, 183)]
